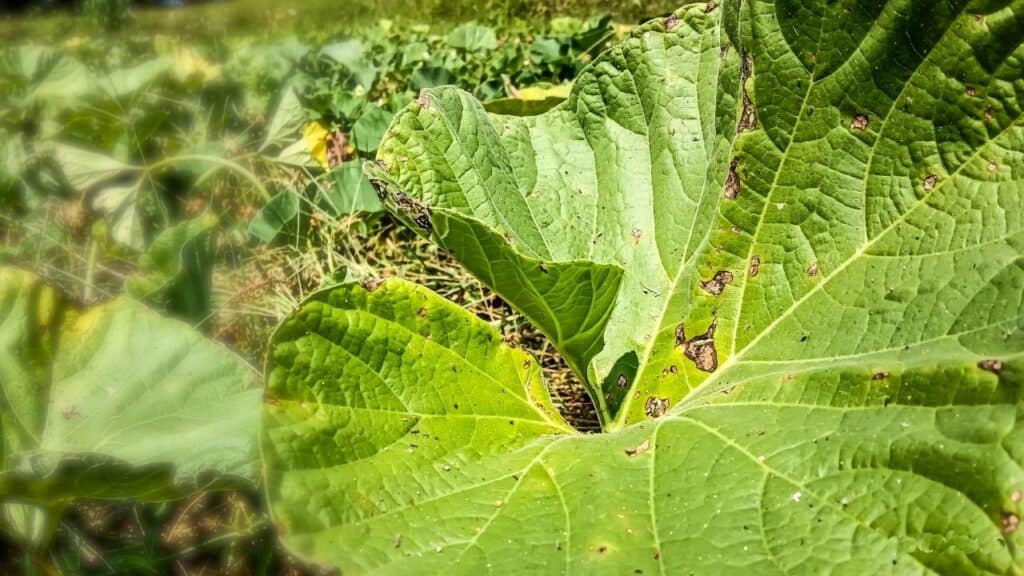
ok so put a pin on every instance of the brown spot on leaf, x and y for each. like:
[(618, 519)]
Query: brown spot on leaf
[(1010, 522), (979, 18), (417, 211), (880, 375), (371, 284), (380, 187), (602, 549), (70, 413), (673, 370), (717, 283), (671, 21), (988, 114), (710, 6), (992, 167), (748, 120), (637, 235), (701, 349), (930, 181), (732, 181), (723, 53), (860, 122), (680, 335), (643, 447), (991, 365), (655, 407), (621, 381), (1016, 496), (755, 266), (812, 270), (422, 99), (422, 312), (970, 91)]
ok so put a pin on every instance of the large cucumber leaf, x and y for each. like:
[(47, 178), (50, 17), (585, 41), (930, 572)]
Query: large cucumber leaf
[(402, 437), (614, 188), (115, 401), (782, 187), (782, 240)]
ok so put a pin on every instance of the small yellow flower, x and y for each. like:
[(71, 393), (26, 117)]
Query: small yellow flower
[(315, 136)]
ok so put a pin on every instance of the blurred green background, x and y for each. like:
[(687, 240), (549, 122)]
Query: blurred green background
[(206, 160)]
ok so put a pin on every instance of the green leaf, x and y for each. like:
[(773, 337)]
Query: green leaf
[(349, 191), (473, 37), (272, 219), (807, 346), (120, 205), (777, 249), (115, 392), (592, 190), (369, 129), (127, 81), (176, 271), (85, 169), (400, 436), (286, 122), (352, 55), (531, 100), (114, 188), (430, 76)]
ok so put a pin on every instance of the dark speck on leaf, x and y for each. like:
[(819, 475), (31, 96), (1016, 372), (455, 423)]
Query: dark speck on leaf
[(880, 375), (755, 266), (732, 181), (643, 447), (1010, 523), (700, 349), (621, 381), (655, 407), (991, 365), (717, 283), (860, 122)]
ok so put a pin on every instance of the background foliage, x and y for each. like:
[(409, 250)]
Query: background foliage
[(205, 161)]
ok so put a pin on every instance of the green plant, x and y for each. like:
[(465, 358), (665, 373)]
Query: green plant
[(110, 14), (777, 241), (112, 402)]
